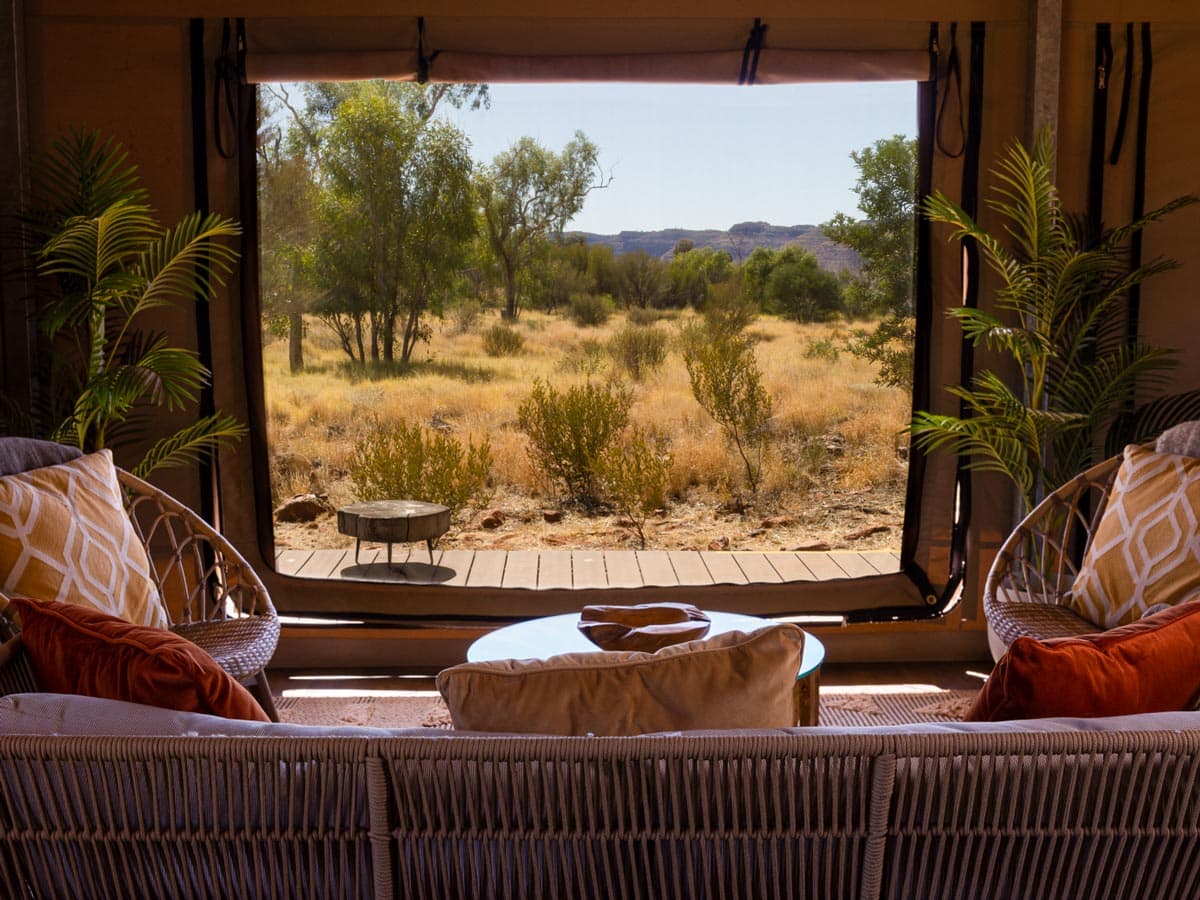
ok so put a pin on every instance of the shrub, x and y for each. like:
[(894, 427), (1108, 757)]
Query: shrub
[(590, 310), (634, 477), (502, 340), (407, 462), (569, 431), (727, 384), (465, 314), (638, 315), (639, 349), (587, 357), (824, 349)]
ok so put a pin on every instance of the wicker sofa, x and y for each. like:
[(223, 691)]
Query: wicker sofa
[(105, 799)]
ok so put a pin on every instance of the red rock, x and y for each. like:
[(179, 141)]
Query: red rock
[(552, 515), (719, 543)]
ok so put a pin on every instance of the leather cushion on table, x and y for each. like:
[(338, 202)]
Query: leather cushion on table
[(77, 650), (1150, 665), (1146, 548), (733, 680), (65, 535)]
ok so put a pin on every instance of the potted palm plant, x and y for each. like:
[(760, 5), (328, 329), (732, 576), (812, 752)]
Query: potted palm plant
[(1060, 319), (106, 262)]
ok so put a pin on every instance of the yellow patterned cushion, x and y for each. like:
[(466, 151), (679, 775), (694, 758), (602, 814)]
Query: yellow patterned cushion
[(64, 535), (1146, 549)]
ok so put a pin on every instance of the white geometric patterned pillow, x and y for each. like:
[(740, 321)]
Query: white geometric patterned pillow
[(65, 535), (1146, 549)]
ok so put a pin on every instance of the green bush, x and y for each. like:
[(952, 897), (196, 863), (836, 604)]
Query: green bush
[(639, 315), (406, 462), (502, 340), (588, 357), (727, 384), (639, 349), (824, 349), (466, 314), (569, 431), (590, 310), (634, 477)]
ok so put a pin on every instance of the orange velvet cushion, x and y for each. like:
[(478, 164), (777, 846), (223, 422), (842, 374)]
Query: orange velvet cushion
[(76, 650), (1152, 665)]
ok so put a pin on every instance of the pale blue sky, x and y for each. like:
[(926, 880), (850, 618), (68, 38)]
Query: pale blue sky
[(697, 156)]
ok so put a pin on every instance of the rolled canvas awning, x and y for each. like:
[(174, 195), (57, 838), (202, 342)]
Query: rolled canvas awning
[(708, 51)]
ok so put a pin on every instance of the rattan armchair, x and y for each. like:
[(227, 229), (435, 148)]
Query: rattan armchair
[(211, 594), (1030, 580)]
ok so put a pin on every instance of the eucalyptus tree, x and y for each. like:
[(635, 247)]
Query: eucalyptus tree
[(286, 201), (396, 215), (528, 194), (885, 238)]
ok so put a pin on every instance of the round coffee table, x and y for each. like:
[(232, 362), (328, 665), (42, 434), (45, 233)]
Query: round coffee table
[(552, 635), (393, 521)]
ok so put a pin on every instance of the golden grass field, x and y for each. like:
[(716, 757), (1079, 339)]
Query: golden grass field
[(835, 463)]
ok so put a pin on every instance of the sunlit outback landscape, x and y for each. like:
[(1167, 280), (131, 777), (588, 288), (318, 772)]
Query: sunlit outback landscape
[(833, 467)]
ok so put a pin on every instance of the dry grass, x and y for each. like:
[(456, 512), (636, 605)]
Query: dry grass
[(833, 427)]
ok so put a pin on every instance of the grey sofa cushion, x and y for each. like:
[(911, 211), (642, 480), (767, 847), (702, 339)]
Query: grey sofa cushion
[(68, 714), (1182, 440), (71, 714), (18, 454)]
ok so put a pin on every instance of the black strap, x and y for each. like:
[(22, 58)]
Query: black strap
[(1139, 182), (754, 46), (1095, 205), (230, 71), (423, 61), (923, 312), (971, 275), (1126, 90), (207, 403), (953, 86)]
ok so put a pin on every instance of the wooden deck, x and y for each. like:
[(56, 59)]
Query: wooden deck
[(583, 569)]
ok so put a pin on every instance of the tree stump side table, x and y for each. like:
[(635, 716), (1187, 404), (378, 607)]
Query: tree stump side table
[(393, 521)]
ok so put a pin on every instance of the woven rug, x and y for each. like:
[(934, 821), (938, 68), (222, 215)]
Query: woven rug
[(843, 708)]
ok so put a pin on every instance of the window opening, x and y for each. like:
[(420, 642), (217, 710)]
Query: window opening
[(457, 279)]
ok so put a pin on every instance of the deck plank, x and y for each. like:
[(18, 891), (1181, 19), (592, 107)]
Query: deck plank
[(487, 569), (723, 567), (324, 563), (621, 569), (521, 569), (656, 569), (790, 567), (756, 568), (883, 561), (454, 566), (587, 569), (854, 565), (822, 566), (554, 570), (289, 562), (690, 568)]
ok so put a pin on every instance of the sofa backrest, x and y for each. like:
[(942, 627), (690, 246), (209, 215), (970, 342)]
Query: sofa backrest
[(1036, 809)]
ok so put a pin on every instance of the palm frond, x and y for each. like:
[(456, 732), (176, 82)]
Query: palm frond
[(191, 443), (82, 175), (1118, 236), (1151, 419), (90, 248), (188, 261)]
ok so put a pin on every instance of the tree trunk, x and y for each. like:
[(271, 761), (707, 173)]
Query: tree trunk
[(295, 342), (510, 291), (358, 334)]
